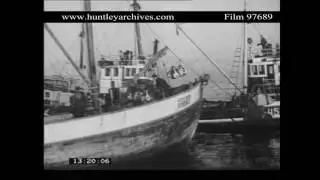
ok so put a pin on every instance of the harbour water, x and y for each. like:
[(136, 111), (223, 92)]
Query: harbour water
[(210, 151)]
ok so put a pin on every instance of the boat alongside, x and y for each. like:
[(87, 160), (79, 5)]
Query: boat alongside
[(257, 102), (259, 108)]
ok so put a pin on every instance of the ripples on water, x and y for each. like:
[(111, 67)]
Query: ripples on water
[(221, 151), (235, 151)]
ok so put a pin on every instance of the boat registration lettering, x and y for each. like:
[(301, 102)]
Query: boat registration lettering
[(182, 102), (273, 111)]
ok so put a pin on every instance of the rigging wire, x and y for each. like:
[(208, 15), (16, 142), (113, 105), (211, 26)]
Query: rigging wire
[(64, 64), (53, 57), (179, 59), (212, 61), (190, 67)]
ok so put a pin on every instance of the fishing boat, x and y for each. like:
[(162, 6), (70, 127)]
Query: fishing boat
[(263, 76), (257, 102), (136, 123), (57, 92)]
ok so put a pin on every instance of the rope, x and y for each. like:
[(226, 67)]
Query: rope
[(179, 59), (57, 59), (213, 62)]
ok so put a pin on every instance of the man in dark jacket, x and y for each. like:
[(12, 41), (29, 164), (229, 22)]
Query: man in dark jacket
[(162, 85), (78, 103)]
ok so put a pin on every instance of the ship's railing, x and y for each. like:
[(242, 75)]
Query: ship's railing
[(266, 52), (124, 100), (267, 88), (119, 62), (269, 81), (127, 60)]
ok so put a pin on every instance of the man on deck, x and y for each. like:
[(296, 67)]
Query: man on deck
[(162, 85), (78, 103)]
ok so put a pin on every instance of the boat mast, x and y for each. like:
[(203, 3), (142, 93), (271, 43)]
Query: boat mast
[(136, 7), (245, 54), (81, 46), (91, 62)]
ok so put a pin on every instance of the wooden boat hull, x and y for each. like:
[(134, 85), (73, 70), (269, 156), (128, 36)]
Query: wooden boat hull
[(128, 143), (252, 118)]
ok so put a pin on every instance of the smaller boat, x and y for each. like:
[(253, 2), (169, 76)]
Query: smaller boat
[(258, 107), (257, 102)]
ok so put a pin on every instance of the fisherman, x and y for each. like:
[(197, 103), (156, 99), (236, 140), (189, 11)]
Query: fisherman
[(162, 85), (263, 42), (78, 103), (260, 98), (102, 101), (126, 56), (121, 55), (108, 102), (130, 55), (195, 81)]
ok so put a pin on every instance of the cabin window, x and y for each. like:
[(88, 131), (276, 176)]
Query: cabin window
[(128, 72), (270, 69), (254, 70), (261, 70), (134, 71), (107, 73), (249, 70), (279, 68), (47, 94), (116, 72)]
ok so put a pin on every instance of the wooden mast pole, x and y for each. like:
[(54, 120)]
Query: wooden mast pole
[(91, 59), (245, 54), (136, 7), (81, 46)]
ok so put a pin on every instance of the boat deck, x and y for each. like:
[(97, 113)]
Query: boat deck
[(57, 117)]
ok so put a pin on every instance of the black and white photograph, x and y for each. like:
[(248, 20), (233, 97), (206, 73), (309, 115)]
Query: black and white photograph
[(168, 96)]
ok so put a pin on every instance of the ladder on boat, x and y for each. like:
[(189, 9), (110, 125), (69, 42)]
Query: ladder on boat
[(235, 71)]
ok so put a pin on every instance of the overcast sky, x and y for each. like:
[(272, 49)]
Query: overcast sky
[(219, 40)]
